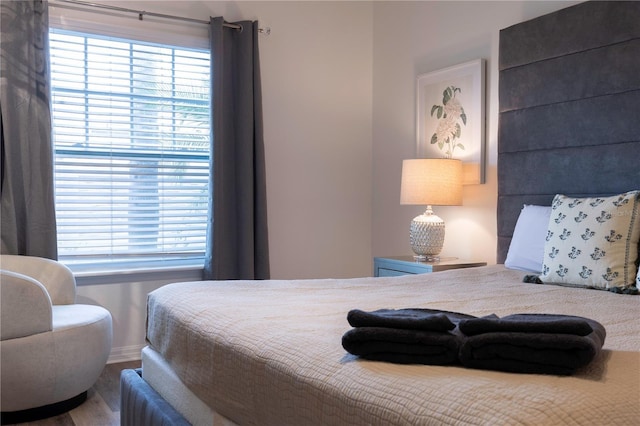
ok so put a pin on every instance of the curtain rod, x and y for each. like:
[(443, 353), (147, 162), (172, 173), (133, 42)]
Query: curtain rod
[(142, 13)]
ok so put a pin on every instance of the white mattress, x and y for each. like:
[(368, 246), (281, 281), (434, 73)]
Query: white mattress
[(164, 380), (269, 353)]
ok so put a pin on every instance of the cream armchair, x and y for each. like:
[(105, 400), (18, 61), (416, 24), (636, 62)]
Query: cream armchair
[(51, 349)]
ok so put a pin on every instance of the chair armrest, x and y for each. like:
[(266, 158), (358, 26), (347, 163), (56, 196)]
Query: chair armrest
[(25, 306), (54, 276)]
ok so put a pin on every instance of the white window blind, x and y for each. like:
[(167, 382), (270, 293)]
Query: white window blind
[(131, 123)]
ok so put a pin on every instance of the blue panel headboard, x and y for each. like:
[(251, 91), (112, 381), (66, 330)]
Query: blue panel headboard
[(569, 108)]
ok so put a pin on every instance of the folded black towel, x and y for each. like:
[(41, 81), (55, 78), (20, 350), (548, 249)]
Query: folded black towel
[(405, 336), (410, 319), (527, 323), (402, 346), (531, 343)]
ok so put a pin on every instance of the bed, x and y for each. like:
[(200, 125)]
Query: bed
[(269, 353)]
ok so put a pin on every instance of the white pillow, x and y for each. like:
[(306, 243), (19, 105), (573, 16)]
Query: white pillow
[(526, 251), (593, 242)]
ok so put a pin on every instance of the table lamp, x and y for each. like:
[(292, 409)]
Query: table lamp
[(430, 181)]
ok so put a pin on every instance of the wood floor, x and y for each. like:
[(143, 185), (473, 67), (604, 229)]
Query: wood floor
[(102, 407)]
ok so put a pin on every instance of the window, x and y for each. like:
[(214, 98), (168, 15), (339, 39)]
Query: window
[(131, 125)]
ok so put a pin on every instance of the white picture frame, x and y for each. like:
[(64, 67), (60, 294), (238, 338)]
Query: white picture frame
[(450, 117)]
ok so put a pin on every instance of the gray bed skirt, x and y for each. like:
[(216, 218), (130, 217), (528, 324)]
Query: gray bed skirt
[(141, 405)]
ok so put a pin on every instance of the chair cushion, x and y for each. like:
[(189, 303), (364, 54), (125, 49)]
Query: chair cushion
[(50, 367)]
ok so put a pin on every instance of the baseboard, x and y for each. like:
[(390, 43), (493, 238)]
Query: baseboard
[(125, 353)]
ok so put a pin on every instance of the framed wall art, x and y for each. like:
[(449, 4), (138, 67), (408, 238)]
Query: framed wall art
[(451, 117)]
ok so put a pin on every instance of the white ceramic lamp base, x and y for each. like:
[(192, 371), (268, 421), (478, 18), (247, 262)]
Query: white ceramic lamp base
[(426, 236)]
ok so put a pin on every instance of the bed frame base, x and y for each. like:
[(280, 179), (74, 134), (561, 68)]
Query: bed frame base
[(141, 405)]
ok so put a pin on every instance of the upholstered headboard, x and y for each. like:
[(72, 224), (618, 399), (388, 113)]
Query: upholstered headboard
[(569, 108)]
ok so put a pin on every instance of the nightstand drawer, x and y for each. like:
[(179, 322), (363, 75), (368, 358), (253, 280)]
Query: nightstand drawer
[(384, 272), (402, 265)]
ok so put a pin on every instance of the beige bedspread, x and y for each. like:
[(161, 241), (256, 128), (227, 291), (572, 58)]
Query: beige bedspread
[(269, 353)]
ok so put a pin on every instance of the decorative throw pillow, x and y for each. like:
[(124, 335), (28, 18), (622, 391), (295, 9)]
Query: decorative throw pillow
[(526, 250), (593, 242)]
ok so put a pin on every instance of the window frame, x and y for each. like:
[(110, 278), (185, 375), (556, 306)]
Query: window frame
[(93, 271)]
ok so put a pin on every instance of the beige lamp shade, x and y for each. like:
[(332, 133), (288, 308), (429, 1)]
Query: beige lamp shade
[(431, 181)]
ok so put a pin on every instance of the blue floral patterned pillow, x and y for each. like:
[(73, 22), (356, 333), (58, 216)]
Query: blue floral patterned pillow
[(593, 242)]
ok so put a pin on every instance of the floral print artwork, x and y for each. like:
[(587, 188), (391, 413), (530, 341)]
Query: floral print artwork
[(450, 114)]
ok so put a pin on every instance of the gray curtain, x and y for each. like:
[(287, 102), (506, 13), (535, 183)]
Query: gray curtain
[(27, 195), (237, 240)]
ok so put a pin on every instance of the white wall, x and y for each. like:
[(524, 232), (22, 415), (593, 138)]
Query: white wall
[(411, 38), (317, 101)]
